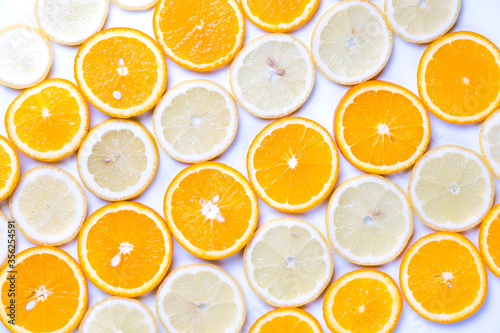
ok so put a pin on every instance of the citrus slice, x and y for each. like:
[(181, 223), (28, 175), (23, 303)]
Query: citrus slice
[(422, 21), (118, 314), (118, 160), (286, 320), (451, 188), (211, 210), (71, 22), (47, 280), (200, 35), (10, 168), (7, 239), (369, 220), (121, 71), (200, 298), (195, 121), (489, 240), (489, 139), (125, 248), (135, 4), (288, 262), (273, 16), (48, 122), (352, 42), (293, 164), (459, 77), (365, 300), (48, 205), (272, 76), (381, 127), (25, 56), (443, 277)]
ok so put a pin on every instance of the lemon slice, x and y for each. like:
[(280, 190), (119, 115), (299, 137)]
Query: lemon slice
[(422, 21), (351, 42), (118, 314), (135, 4), (195, 121), (451, 188), (369, 220), (288, 262), (200, 298), (25, 56), (4, 239), (48, 205), (489, 138), (118, 160), (272, 76)]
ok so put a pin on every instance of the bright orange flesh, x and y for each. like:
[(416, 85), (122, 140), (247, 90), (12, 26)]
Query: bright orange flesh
[(5, 167), (493, 241), (276, 11), (286, 324)]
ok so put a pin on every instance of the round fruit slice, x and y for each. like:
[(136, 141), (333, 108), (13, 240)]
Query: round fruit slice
[(286, 320), (365, 300), (211, 210), (489, 139), (135, 4), (121, 71), (125, 249), (206, 39), (71, 22), (369, 220), (195, 121), (10, 168), (293, 164), (48, 122), (422, 21), (25, 56), (118, 314), (6, 239), (200, 298), (381, 127), (288, 262), (118, 160), (351, 42), (489, 240), (451, 188), (272, 76), (274, 16), (459, 77), (47, 280), (48, 205), (443, 277)]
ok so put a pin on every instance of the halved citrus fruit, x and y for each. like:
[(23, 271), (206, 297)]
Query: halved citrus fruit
[(443, 277), (489, 240), (369, 220), (48, 122), (200, 35), (451, 188), (286, 320), (10, 168), (125, 248), (135, 4), (489, 139), (211, 210), (293, 164), (288, 262), (381, 127), (121, 71), (366, 300), (47, 281), (7, 239), (459, 77), (200, 298)]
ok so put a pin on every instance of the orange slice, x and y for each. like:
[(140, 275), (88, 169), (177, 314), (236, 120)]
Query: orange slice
[(366, 300), (489, 240), (443, 277), (200, 35), (48, 281), (459, 77), (125, 248), (121, 71), (10, 169), (48, 122), (286, 320), (293, 164), (211, 210), (381, 127)]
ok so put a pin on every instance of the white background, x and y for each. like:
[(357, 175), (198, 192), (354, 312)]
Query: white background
[(481, 16)]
